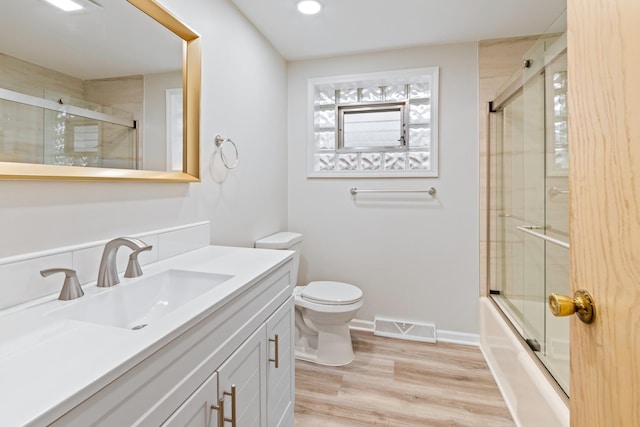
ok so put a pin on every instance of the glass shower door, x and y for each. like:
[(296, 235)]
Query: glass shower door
[(533, 200), (556, 356), (510, 255), (529, 217)]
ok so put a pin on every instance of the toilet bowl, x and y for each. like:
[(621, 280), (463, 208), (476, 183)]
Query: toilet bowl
[(323, 310)]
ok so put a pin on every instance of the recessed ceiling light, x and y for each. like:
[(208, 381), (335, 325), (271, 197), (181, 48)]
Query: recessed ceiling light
[(309, 7), (66, 5)]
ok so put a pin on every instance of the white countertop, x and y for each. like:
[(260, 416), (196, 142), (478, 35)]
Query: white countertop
[(49, 365)]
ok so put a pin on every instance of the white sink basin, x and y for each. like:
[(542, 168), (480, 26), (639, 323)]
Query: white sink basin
[(137, 304)]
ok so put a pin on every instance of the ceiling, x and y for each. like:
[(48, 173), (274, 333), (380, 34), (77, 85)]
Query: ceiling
[(116, 39), (356, 26)]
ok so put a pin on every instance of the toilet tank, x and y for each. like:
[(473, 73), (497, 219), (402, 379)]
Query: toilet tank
[(284, 240)]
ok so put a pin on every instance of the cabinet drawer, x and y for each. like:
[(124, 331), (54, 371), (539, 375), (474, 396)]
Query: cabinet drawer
[(150, 392)]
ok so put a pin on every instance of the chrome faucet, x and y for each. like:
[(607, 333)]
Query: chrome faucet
[(108, 271), (71, 288)]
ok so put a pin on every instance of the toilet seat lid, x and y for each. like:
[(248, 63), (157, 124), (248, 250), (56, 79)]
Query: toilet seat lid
[(331, 293)]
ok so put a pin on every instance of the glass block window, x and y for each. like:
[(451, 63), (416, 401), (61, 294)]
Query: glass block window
[(561, 148), (382, 125), (556, 120)]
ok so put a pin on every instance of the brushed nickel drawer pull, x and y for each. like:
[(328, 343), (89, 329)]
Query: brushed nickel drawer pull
[(275, 341), (231, 420), (220, 408)]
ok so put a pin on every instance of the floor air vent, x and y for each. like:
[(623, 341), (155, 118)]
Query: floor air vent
[(425, 332)]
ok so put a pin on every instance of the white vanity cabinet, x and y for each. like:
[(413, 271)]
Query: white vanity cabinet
[(259, 378), (227, 357), (254, 385), (260, 375)]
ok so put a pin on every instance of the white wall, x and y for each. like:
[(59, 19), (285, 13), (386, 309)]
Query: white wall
[(243, 97), (414, 260)]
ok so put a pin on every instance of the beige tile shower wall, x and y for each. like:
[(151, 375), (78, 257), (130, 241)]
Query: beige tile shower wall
[(497, 60), (25, 77), (124, 94), (22, 125)]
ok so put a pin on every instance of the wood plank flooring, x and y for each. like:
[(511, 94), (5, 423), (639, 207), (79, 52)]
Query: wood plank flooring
[(400, 383)]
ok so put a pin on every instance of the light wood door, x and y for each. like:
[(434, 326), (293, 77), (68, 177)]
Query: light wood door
[(604, 130), (246, 371)]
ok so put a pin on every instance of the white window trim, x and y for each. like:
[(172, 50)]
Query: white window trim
[(402, 76)]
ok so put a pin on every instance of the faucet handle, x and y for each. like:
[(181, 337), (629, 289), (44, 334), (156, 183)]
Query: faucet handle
[(71, 288), (133, 267)]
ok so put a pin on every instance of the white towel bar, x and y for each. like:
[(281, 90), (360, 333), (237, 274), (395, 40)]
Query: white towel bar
[(529, 230), (431, 191)]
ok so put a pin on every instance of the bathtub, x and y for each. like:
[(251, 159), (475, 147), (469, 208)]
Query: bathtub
[(531, 397)]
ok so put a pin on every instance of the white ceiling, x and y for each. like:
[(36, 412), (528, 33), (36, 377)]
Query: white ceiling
[(355, 26)]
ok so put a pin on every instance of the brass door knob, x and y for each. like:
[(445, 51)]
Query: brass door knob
[(581, 304)]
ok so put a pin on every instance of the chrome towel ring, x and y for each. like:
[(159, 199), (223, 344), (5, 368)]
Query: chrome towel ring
[(220, 141)]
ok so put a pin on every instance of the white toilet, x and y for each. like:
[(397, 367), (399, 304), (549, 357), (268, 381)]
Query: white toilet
[(323, 310)]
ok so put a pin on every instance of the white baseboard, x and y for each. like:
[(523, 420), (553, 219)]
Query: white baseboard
[(454, 337), (361, 325)]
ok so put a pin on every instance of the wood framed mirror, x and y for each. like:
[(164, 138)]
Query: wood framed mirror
[(77, 131)]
